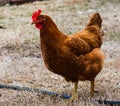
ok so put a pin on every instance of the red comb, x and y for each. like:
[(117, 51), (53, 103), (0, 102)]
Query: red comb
[(36, 14)]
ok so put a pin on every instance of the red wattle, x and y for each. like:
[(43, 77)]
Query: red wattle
[(38, 26)]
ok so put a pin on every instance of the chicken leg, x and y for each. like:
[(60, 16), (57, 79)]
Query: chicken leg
[(92, 88), (74, 94)]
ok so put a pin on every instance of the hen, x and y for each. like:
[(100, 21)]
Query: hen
[(76, 57)]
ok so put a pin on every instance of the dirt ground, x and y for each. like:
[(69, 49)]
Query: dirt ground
[(21, 60)]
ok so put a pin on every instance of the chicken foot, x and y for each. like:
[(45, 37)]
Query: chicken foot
[(74, 94), (92, 89)]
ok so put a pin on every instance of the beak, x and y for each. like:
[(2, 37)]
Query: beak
[(32, 23)]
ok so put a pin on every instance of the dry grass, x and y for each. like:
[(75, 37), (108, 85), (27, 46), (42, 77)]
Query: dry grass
[(20, 56)]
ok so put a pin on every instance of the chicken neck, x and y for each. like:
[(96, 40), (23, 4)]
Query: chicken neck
[(50, 34)]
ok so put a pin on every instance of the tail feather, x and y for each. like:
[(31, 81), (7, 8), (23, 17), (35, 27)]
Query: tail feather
[(95, 19)]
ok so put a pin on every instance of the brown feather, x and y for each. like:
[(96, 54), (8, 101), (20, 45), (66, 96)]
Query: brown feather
[(76, 57)]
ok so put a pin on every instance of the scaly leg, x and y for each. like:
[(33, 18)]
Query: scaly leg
[(74, 94), (92, 89)]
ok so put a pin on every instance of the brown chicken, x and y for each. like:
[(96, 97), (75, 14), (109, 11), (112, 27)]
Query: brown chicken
[(76, 57)]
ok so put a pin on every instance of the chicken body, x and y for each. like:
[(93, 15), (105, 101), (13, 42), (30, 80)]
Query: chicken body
[(76, 57), (71, 56)]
